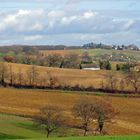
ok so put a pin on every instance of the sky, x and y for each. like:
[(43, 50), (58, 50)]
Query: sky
[(69, 22)]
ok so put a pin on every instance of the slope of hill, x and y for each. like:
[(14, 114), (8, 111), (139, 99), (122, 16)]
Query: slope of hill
[(28, 102)]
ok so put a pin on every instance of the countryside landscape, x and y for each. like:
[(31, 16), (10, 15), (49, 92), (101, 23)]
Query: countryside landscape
[(69, 70)]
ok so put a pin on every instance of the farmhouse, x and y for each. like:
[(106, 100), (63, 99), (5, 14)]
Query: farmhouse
[(92, 66)]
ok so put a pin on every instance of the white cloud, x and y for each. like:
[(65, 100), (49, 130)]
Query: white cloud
[(90, 14), (32, 38), (72, 26), (22, 20)]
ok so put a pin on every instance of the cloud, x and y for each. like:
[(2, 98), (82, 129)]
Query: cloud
[(62, 26), (33, 38), (22, 21)]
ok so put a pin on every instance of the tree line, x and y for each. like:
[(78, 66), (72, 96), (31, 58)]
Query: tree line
[(71, 60), (31, 78)]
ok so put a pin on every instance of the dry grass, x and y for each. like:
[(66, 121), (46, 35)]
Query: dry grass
[(70, 77), (28, 102)]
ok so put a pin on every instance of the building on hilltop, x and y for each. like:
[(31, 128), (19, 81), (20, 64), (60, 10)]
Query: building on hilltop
[(92, 66)]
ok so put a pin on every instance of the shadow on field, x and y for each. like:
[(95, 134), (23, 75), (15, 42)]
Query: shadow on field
[(6, 136), (29, 126)]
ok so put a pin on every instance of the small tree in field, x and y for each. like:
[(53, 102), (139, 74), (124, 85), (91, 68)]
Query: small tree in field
[(11, 75), (103, 112), (49, 118), (84, 110), (3, 73), (133, 78), (20, 77), (52, 80), (111, 81), (32, 74), (122, 84)]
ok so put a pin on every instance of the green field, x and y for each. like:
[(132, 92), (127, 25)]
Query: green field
[(15, 127), (98, 138), (1, 54)]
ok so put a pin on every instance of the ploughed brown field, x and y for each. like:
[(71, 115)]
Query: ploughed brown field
[(28, 102)]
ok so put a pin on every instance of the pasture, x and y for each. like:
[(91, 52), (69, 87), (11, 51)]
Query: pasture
[(15, 127)]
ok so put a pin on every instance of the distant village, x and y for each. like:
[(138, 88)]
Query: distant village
[(115, 47)]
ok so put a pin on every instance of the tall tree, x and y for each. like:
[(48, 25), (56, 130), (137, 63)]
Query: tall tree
[(111, 81), (32, 74), (50, 118), (84, 109), (104, 112), (3, 73), (133, 79), (11, 75)]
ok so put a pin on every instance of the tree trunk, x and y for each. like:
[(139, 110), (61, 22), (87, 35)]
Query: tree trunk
[(85, 129), (101, 128), (48, 133), (136, 89), (2, 80), (85, 132)]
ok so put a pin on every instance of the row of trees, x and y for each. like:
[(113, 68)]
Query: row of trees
[(105, 65), (51, 60), (30, 77), (84, 111), (127, 82), (55, 60), (112, 82), (127, 67)]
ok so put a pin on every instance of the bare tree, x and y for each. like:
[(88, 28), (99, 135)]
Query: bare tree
[(111, 81), (104, 112), (71, 61), (11, 75), (20, 77), (122, 84), (52, 80), (102, 84), (3, 73), (84, 110), (32, 74), (133, 78), (42, 80), (54, 60), (86, 58), (50, 118)]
